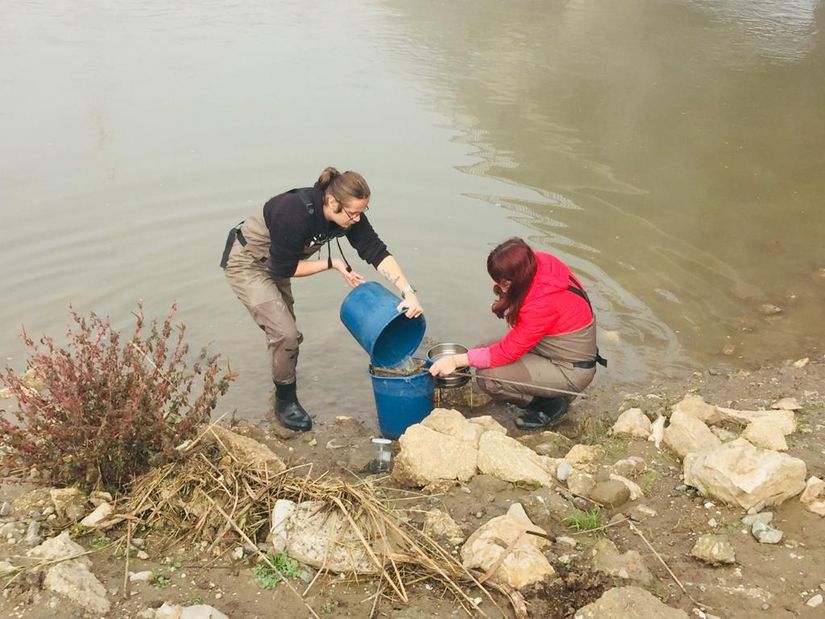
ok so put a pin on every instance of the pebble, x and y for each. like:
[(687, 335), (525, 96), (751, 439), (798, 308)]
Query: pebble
[(33, 534), (815, 601), (5, 508), (563, 471), (765, 533), (48, 511), (144, 576), (763, 517), (237, 553), (142, 555), (712, 523), (566, 541)]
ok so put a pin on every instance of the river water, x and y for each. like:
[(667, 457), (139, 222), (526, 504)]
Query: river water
[(671, 151)]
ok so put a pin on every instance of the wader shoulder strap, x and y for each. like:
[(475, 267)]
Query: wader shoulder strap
[(577, 289)]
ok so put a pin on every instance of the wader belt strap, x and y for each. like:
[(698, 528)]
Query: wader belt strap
[(234, 233), (590, 363)]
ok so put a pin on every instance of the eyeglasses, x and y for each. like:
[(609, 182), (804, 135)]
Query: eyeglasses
[(352, 216)]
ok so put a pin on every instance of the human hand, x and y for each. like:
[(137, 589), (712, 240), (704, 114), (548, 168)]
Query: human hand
[(443, 366), (352, 278), (411, 306)]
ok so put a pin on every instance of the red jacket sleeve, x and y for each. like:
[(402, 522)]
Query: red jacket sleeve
[(533, 324)]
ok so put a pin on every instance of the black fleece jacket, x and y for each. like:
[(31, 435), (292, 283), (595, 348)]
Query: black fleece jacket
[(296, 231)]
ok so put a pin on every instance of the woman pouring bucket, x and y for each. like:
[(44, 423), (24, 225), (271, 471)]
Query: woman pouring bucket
[(274, 244), (550, 354)]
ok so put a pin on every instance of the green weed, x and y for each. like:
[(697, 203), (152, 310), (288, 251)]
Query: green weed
[(584, 520), (268, 576)]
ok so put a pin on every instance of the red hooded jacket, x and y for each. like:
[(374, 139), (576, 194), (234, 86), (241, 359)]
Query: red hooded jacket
[(549, 308)]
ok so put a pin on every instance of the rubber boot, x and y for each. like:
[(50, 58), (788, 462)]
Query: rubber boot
[(542, 413), (289, 411)]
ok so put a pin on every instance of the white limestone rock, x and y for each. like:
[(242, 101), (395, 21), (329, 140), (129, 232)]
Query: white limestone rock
[(427, 456), (686, 434), (633, 422), (628, 603), (505, 458), (741, 474), (813, 498), (766, 433), (524, 564), (695, 406)]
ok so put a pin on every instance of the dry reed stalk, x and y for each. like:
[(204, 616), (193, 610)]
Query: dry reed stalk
[(198, 498)]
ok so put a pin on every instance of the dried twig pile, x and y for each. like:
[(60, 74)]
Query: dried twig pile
[(214, 495)]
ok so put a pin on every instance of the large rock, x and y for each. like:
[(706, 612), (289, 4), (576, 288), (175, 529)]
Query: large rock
[(813, 498), (696, 407), (74, 581), (610, 493), (59, 548), (580, 483), (633, 422), (68, 502), (785, 420), (628, 603), (546, 506), (427, 456), (452, 423), (630, 565), (584, 454), (741, 474), (523, 565), (247, 450), (318, 534), (687, 434), (507, 459), (766, 433)]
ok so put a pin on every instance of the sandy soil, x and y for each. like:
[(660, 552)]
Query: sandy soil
[(767, 580)]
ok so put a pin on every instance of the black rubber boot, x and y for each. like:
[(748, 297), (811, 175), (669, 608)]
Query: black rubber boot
[(542, 413), (288, 409)]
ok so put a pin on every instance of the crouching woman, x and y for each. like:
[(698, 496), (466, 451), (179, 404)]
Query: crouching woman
[(550, 348)]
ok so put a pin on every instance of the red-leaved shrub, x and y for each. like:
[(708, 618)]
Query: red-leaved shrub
[(107, 410)]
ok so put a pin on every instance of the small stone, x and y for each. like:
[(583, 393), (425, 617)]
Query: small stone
[(143, 555), (714, 550), (763, 517), (610, 493), (642, 512), (566, 541), (143, 576), (138, 542), (563, 470), (766, 534), (769, 309), (815, 601), (712, 523), (33, 534), (801, 363), (48, 511), (237, 553), (5, 508)]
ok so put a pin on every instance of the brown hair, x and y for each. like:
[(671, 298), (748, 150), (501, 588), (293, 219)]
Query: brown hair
[(343, 187), (514, 261)]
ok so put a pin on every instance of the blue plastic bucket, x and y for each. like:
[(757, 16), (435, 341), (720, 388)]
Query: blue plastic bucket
[(401, 401), (387, 335)]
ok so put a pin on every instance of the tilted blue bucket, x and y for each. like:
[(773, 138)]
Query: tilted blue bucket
[(387, 335), (402, 401)]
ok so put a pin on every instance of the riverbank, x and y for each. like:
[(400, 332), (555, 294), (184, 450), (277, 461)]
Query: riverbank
[(770, 580)]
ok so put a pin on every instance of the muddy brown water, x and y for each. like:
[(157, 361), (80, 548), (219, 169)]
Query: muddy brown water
[(669, 151)]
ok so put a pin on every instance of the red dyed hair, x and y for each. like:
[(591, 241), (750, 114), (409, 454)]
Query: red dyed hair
[(514, 261)]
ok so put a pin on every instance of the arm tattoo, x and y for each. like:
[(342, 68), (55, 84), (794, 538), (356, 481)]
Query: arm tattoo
[(386, 273)]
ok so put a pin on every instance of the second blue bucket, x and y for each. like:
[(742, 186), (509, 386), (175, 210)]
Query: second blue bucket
[(401, 401), (388, 336)]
